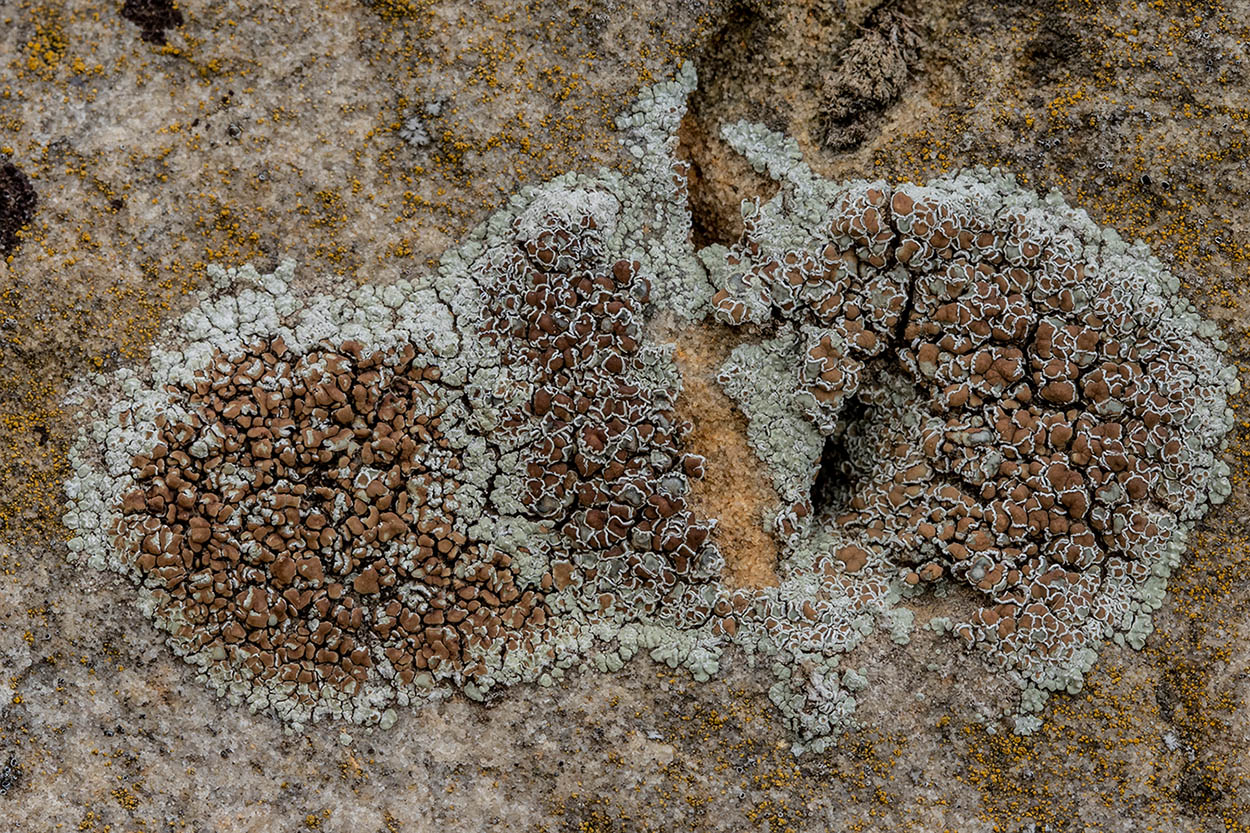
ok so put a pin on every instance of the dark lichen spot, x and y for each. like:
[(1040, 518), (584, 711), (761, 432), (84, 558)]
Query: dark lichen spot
[(1196, 790), (10, 775), (868, 79), (153, 17), (17, 205)]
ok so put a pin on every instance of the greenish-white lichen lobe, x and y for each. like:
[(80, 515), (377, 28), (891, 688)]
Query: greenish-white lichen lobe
[(966, 384), (335, 503)]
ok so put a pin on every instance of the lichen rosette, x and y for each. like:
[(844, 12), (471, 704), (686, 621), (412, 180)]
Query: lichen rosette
[(992, 395)]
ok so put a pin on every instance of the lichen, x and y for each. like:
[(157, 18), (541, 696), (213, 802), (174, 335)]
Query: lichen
[(153, 17), (17, 206), (972, 385), (341, 503)]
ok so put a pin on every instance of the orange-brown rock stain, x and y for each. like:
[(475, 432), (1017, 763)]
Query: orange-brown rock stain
[(735, 489)]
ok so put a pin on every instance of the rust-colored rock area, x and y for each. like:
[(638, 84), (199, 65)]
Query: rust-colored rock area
[(735, 489)]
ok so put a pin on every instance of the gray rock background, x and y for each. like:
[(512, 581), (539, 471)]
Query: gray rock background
[(364, 138)]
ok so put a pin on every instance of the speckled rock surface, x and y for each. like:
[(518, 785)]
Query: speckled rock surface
[(145, 141)]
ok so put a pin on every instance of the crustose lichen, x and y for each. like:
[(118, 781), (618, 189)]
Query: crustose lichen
[(337, 504)]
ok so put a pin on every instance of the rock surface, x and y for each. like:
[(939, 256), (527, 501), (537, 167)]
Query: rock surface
[(150, 139)]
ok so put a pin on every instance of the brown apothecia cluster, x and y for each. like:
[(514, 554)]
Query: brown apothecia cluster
[(478, 477), (296, 522), (993, 414), (296, 515), (604, 467)]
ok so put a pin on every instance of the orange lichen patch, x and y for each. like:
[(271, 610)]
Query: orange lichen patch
[(32, 457), (735, 488), (1134, 731), (45, 50), (293, 523)]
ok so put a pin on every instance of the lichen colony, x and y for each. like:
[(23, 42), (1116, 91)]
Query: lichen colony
[(340, 503)]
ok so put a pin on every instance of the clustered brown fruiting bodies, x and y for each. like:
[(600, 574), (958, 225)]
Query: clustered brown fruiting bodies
[(297, 523), (1011, 401), (605, 469)]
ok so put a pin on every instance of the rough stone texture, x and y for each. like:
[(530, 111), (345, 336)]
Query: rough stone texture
[(735, 487), (1131, 110)]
